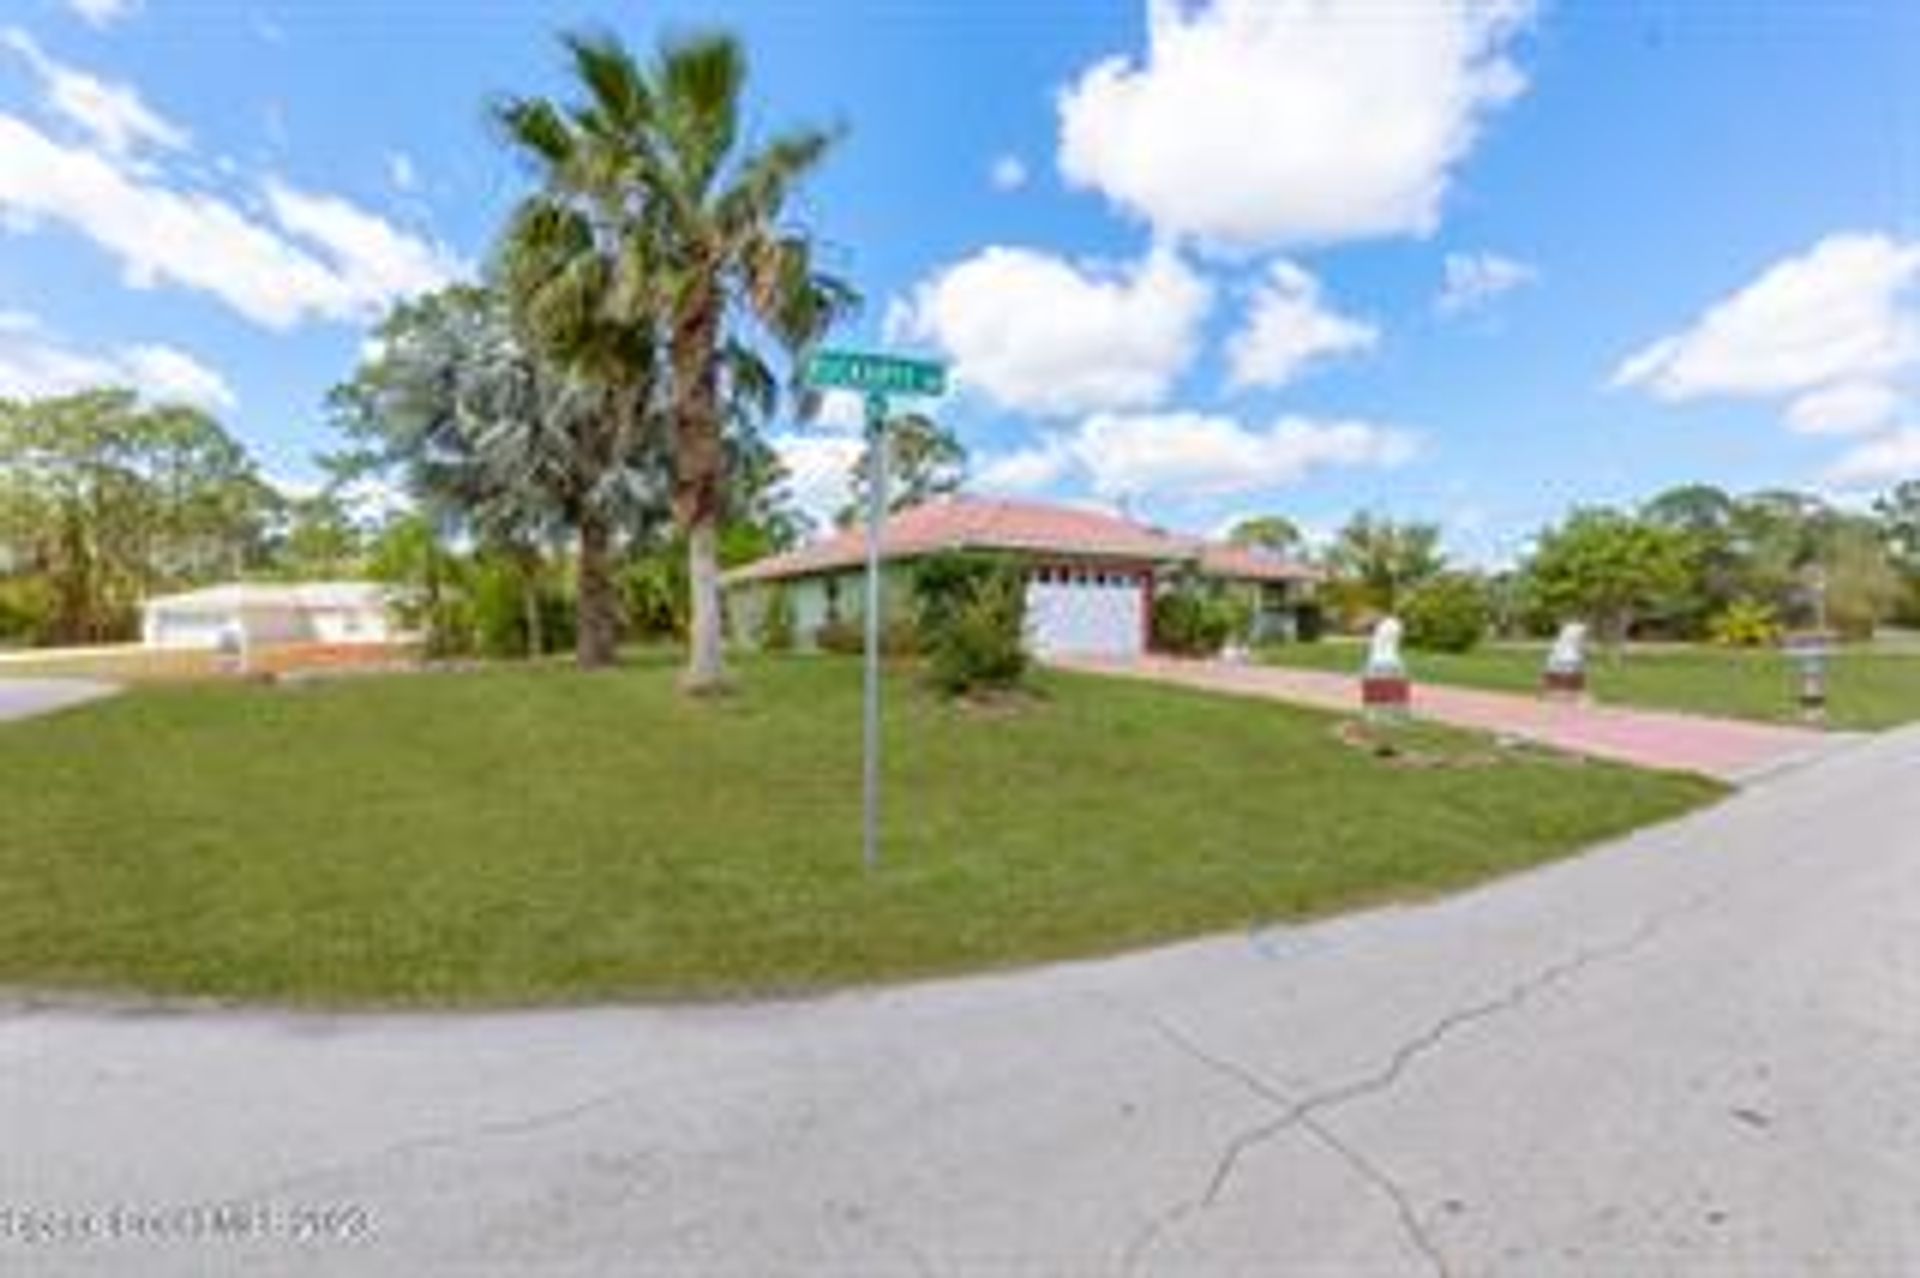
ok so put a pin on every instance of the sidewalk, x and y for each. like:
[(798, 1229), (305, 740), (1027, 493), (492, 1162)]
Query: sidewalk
[(1732, 750)]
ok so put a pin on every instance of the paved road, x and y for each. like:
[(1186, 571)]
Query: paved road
[(1735, 750), (1694, 1052), (22, 698)]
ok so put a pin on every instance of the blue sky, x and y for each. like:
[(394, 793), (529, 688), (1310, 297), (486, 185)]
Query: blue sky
[(1470, 260)]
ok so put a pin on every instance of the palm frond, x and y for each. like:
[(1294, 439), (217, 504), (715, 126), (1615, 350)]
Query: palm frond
[(700, 78)]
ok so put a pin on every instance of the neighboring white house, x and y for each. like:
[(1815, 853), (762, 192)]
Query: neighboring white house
[(265, 613)]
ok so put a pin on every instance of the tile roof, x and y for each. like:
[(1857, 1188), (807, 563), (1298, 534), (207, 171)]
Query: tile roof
[(976, 523), (276, 594)]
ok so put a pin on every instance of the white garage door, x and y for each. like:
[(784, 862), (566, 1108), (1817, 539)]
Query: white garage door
[(1085, 611)]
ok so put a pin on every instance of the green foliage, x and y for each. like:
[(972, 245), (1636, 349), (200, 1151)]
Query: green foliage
[(776, 629), (1606, 567), (970, 614), (106, 499), (1746, 623), (1274, 533), (847, 637), (1192, 620), (654, 590), (26, 610), (925, 459), (1375, 562), (1450, 613)]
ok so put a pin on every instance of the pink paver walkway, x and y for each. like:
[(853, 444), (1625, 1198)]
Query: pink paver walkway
[(1732, 750)]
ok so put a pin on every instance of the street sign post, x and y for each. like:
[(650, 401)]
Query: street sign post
[(876, 377)]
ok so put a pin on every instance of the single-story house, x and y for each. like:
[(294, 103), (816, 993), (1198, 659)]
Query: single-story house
[(1091, 577), (267, 613)]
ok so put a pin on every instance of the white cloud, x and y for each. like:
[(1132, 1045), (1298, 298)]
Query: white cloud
[(819, 472), (1832, 335), (33, 364), (1882, 462), (1263, 123), (373, 260), (1040, 334), (104, 13), (1289, 326), (350, 266), (1026, 470), (841, 412), (1842, 312), (1190, 455), (402, 172), (113, 115), (1845, 408), (1007, 173), (1474, 279)]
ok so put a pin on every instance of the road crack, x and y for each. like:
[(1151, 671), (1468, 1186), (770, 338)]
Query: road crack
[(1307, 1112)]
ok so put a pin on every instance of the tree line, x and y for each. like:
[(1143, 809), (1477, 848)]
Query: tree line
[(1692, 563)]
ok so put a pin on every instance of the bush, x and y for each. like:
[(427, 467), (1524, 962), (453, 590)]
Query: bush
[(848, 638), (26, 611), (775, 633), (1746, 623), (1309, 623), (1447, 614), (1188, 621), (978, 643)]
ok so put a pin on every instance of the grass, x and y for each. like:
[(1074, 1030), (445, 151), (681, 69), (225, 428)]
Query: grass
[(518, 836), (1867, 688)]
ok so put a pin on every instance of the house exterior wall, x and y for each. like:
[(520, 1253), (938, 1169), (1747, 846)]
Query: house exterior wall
[(202, 627)]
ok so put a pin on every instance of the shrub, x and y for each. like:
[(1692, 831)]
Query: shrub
[(1746, 623), (775, 633), (26, 610), (848, 637), (1189, 621), (977, 644), (1447, 614), (1309, 623)]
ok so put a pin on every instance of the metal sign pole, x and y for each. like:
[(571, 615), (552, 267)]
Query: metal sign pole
[(876, 515)]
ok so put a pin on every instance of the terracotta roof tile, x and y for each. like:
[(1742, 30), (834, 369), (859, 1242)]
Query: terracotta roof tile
[(976, 523)]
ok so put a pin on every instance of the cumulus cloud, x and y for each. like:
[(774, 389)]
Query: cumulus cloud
[(321, 258), (1842, 312), (1192, 455), (819, 472), (1264, 123), (1290, 326), (104, 13), (1007, 173), (1877, 463), (1472, 280), (34, 363), (1845, 408), (1038, 333), (113, 115)]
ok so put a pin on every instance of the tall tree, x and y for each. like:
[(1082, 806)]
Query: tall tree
[(655, 227), (1274, 533), (485, 433), (1380, 560), (924, 460), (1606, 568)]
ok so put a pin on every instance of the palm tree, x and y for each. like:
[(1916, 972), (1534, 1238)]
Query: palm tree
[(495, 439), (655, 262), (735, 271)]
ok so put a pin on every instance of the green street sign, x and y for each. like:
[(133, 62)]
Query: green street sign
[(884, 374)]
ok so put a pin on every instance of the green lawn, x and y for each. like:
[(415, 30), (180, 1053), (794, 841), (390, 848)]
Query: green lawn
[(529, 835), (1867, 688)]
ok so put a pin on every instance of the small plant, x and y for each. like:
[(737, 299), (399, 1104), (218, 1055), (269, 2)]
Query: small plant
[(1746, 623), (1191, 621), (1447, 614), (776, 629), (978, 645)]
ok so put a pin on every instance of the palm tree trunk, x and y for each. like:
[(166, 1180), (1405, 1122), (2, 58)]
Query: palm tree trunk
[(700, 464), (706, 653), (599, 618)]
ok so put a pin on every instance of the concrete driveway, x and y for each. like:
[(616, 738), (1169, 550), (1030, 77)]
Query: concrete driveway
[(1693, 1052), (23, 698)]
